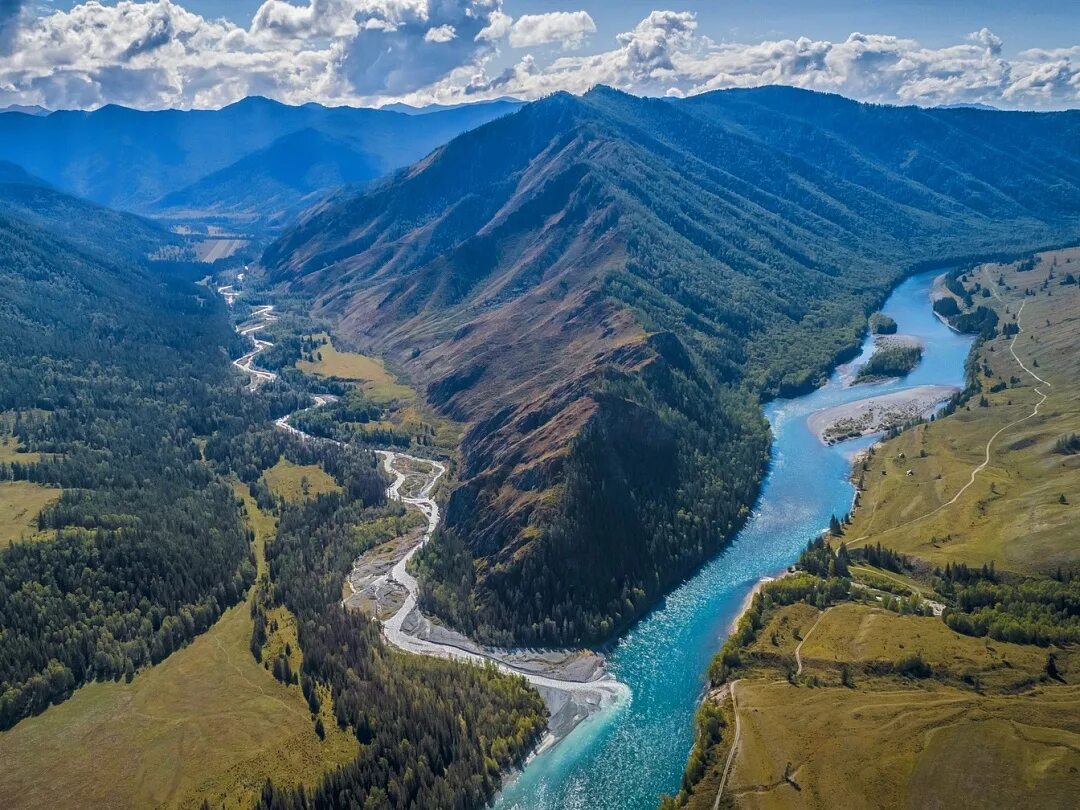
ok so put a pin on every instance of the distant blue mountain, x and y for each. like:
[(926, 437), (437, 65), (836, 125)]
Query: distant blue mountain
[(151, 161), (272, 184), (25, 110), (409, 109)]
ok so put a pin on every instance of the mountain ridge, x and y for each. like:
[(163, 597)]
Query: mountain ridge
[(278, 180), (130, 159), (589, 271), (82, 225)]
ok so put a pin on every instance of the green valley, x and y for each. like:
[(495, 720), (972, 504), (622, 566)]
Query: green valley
[(416, 458), (946, 610)]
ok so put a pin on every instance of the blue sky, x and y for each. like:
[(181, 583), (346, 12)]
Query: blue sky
[(1025, 23), (206, 53)]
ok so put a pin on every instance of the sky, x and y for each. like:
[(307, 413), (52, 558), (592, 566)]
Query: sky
[(59, 54)]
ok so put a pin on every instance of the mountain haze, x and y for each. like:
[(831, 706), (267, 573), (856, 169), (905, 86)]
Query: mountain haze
[(605, 287), (83, 224), (277, 181), (222, 159)]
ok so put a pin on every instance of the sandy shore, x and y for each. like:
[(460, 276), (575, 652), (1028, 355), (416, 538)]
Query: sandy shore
[(848, 371), (875, 414), (566, 708), (937, 290), (580, 666), (749, 600)]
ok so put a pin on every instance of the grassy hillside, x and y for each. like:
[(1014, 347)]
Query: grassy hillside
[(942, 512), (975, 707), (605, 287), (209, 723)]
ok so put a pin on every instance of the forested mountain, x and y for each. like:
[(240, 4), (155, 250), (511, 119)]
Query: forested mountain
[(277, 181), (135, 160), (81, 223), (110, 372), (605, 287)]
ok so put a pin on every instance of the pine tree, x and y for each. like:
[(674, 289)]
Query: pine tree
[(835, 529)]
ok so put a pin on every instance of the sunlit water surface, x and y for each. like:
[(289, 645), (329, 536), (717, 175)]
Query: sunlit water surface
[(625, 758)]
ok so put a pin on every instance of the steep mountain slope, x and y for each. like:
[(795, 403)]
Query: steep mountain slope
[(109, 371), (605, 286), (130, 159), (81, 223)]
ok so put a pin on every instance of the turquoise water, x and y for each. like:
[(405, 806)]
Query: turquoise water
[(626, 757)]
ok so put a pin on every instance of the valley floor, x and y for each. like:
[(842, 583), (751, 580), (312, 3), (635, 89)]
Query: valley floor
[(869, 699)]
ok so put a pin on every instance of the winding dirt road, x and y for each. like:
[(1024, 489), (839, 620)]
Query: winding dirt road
[(798, 649), (734, 746)]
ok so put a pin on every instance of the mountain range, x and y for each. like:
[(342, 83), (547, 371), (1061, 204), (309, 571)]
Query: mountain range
[(605, 288), (251, 164)]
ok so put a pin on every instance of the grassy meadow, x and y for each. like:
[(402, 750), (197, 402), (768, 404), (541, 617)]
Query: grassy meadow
[(208, 723), (1013, 512), (979, 722), (378, 384), (20, 503), (296, 482)]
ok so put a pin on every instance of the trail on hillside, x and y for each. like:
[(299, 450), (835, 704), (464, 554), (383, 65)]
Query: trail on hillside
[(734, 746), (989, 442)]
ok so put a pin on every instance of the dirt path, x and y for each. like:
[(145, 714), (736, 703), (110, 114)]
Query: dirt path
[(992, 439), (734, 746), (798, 649), (989, 443)]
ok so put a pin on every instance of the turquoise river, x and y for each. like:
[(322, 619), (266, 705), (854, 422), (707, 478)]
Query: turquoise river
[(626, 757)]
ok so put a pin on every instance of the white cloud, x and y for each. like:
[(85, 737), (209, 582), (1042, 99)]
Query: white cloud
[(498, 26), (405, 45), (280, 19), (665, 55), (444, 33), (158, 54), (566, 27), (11, 12)]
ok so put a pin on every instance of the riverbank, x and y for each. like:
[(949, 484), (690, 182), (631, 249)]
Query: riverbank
[(944, 688), (749, 600), (573, 683), (606, 763), (877, 414)]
